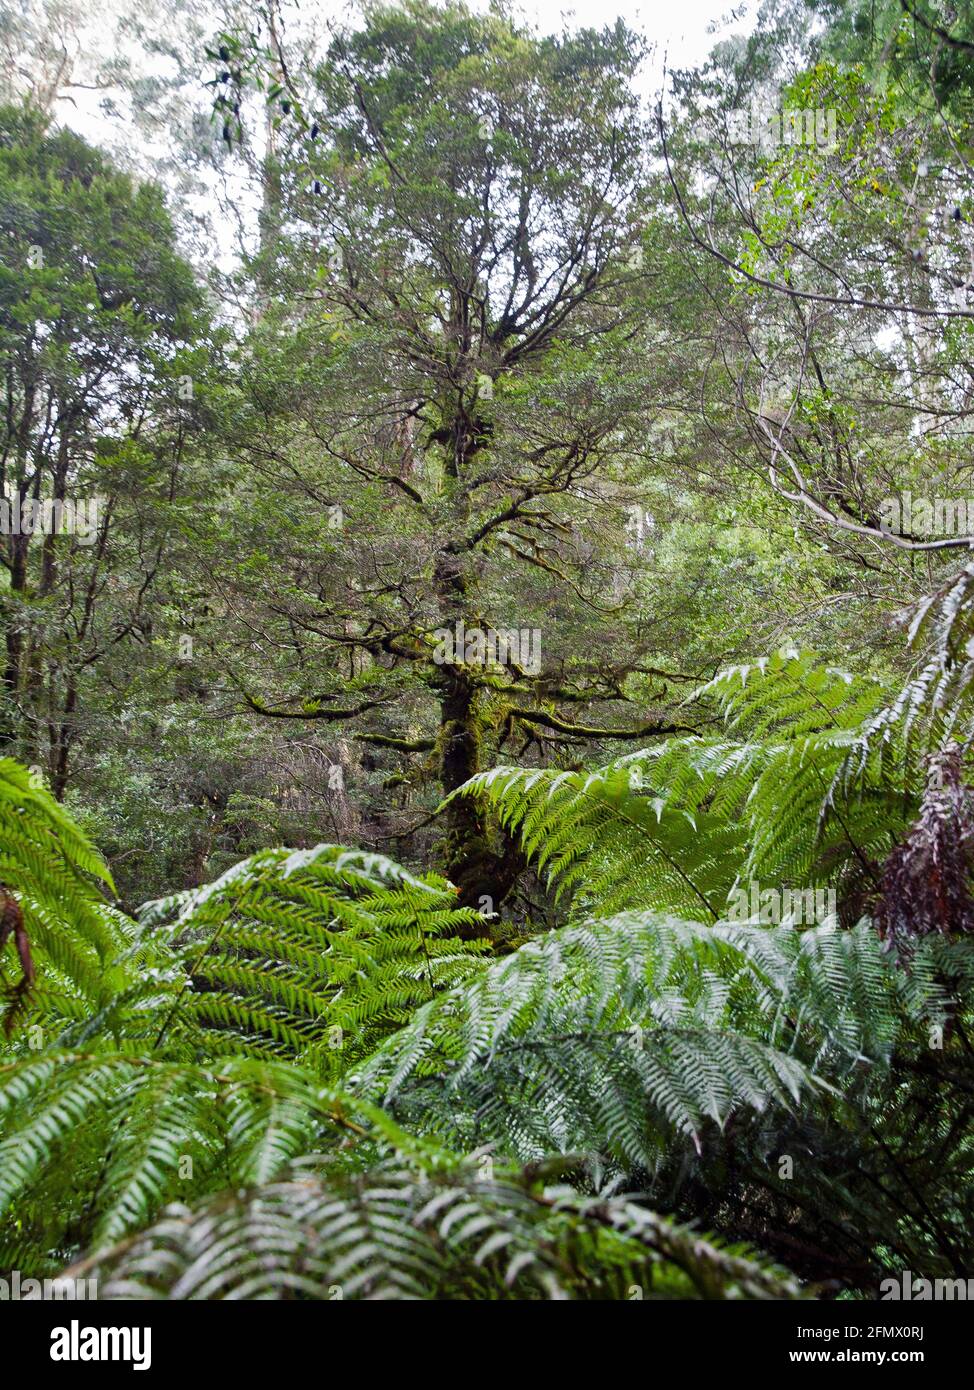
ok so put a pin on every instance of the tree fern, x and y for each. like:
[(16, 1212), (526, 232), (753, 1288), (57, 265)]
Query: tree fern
[(197, 1057), (320, 1003), (314, 954), (94, 1144), (679, 826), (67, 938), (635, 1031), (425, 1230), (934, 709), (670, 1053)]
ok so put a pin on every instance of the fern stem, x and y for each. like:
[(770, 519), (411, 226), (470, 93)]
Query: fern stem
[(669, 859)]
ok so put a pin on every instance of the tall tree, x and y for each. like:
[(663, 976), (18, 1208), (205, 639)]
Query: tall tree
[(461, 350), (101, 336)]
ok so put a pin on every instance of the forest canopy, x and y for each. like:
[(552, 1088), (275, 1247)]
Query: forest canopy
[(487, 696)]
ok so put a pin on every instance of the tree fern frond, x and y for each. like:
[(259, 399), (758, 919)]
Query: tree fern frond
[(681, 825), (315, 954), (420, 1232), (117, 1135), (627, 1037), (63, 931)]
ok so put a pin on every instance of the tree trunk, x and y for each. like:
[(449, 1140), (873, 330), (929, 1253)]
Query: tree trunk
[(483, 876)]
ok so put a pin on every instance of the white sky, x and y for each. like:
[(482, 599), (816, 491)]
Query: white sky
[(682, 33), (680, 26)]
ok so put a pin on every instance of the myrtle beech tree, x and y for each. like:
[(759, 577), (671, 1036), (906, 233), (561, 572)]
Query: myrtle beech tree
[(452, 382)]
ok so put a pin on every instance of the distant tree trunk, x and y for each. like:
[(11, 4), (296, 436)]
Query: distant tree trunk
[(61, 748), (14, 634)]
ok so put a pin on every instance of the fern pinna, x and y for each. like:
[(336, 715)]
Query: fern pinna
[(66, 936), (313, 954)]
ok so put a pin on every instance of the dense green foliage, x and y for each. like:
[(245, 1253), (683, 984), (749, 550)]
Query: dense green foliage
[(486, 805)]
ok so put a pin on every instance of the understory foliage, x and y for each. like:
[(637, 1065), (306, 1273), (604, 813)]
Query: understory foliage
[(534, 486), (313, 1078), (790, 791)]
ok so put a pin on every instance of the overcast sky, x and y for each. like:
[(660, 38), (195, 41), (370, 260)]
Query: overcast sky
[(680, 26), (682, 33)]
